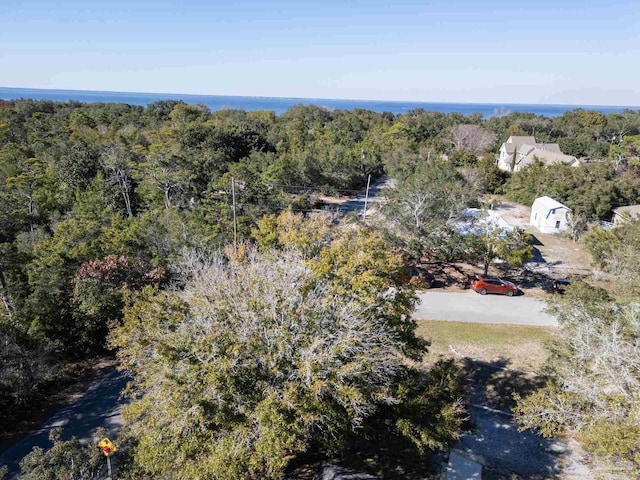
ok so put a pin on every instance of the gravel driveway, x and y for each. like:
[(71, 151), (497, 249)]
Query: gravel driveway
[(472, 307)]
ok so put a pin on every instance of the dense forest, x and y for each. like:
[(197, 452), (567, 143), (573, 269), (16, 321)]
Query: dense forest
[(101, 200)]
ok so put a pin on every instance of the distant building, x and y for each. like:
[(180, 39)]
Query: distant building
[(520, 151), (477, 221), (549, 215), (624, 214)]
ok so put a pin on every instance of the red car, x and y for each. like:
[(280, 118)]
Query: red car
[(487, 284)]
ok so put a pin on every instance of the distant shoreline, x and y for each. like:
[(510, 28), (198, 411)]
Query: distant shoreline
[(280, 104)]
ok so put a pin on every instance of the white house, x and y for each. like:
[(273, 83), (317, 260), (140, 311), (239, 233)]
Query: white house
[(625, 214), (519, 151), (549, 215)]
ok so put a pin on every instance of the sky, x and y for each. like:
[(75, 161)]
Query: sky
[(582, 52)]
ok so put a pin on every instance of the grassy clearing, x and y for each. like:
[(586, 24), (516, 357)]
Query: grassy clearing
[(513, 346), (496, 359)]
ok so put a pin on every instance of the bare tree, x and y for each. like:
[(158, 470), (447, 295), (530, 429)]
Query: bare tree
[(472, 138), (419, 210), (578, 224), (594, 392), (168, 176), (116, 162)]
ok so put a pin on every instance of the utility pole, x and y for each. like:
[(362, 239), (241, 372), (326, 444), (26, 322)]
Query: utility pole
[(235, 221), (366, 199)]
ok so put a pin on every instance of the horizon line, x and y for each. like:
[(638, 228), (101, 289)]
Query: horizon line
[(115, 92)]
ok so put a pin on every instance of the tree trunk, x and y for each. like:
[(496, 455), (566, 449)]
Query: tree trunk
[(167, 198), (5, 293), (31, 209), (124, 188)]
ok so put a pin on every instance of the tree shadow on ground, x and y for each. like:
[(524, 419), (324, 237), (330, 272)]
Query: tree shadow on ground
[(526, 278), (505, 452), (387, 456), (535, 241), (447, 274), (537, 256), (503, 206), (493, 384)]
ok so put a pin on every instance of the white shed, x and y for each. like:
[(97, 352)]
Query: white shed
[(549, 215)]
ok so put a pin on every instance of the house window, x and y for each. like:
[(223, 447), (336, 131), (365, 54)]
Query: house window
[(535, 217), (557, 223)]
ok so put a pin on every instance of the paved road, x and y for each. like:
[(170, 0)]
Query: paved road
[(472, 307), (98, 407), (356, 203)]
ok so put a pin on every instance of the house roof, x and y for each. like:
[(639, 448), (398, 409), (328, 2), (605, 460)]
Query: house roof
[(547, 157), (519, 140), (631, 210), (528, 150), (527, 143), (551, 147), (544, 204), (523, 148), (476, 221)]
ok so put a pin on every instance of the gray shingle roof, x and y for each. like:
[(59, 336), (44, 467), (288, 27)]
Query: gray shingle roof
[(519, 140), (547, 157), (551, 147), (632, 210)]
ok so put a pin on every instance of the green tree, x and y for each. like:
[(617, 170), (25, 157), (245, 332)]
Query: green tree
[(592, 394), (490, 177), (617, 252), (117, 162), (24, 370), (487, 242), (98, 290), (423, 206), (284, 361), (626, 153), (30, 190), (261, 356), (166, 174), (65, 459), (592, 189)]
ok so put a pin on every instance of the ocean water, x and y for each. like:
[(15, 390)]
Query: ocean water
[(279, 104)]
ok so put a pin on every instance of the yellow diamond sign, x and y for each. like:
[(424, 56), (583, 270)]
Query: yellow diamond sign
[(107, 447)]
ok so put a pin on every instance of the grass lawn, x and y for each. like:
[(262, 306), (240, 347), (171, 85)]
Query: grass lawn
[(497, 360), (516, 346)]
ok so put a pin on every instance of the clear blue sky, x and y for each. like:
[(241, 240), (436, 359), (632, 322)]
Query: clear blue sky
[(561, 51)]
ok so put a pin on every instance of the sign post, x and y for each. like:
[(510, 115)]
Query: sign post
[(108, 449)]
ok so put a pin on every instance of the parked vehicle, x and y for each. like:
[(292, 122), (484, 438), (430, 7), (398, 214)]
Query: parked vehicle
[(417, 275), (558, 285), (489, 284)]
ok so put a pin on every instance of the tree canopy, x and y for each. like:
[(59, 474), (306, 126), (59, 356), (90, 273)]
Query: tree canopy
[(258, 357), (99, 201), (594, 382)]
